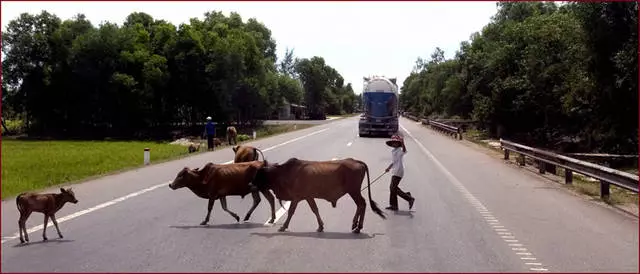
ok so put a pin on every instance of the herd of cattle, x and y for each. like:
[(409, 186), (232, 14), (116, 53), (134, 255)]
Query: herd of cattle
[(294, 180)]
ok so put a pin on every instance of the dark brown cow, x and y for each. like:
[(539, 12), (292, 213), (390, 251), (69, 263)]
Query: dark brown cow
[(214, 182), (246, 154), (232, 135), (297, 180), (47, 204)]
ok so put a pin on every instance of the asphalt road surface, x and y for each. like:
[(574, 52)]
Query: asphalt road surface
[(472, 213)]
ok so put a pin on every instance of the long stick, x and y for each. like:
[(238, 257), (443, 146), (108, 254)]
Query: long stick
[(374, 180)]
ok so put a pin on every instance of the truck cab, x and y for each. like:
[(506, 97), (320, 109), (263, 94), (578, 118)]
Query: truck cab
[(380, 101)]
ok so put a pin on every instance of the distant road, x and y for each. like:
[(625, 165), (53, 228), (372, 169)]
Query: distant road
[(472, 214)]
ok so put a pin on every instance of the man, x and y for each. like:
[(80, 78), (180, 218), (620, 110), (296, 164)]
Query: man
[(210, 130), (399, 149)]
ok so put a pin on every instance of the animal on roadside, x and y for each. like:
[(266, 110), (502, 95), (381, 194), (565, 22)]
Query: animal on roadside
[(47, 204), (232, 135), (296, 180), (216, 181), (194, 147), (246, 154)]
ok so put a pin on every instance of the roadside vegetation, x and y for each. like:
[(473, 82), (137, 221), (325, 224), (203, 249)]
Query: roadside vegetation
[(29, 165), (82, 100), (559, 77)]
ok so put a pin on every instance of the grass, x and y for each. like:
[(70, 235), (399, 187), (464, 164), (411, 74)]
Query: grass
[(35, 165)]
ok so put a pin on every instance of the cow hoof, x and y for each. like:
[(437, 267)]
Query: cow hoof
[(237, 219), (356, 231), (21, 241), (320, 229), (282, 229), (204, 223), (44, 239), (61, 237), (272, 220), (354, 226)]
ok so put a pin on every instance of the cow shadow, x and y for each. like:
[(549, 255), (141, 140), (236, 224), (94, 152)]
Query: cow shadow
[(320, 235), (221, 226), (50, 241)]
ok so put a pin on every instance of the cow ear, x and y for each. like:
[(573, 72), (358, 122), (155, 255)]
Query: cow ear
[(63, 190), (235, 149)]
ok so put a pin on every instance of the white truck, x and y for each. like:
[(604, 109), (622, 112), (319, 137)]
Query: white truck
[(380, 106)]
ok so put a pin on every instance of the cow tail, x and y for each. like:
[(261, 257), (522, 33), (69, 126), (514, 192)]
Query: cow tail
[(18, 202), (374, 206), (255, 151)]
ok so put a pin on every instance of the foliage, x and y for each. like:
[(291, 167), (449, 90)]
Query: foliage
[(71, 78), (539, 72)]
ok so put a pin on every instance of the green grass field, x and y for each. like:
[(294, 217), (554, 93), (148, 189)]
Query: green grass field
[(35, 165)]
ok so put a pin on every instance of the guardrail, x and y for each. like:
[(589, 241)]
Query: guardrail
[(440, 127), (549, 161), (455, 132)]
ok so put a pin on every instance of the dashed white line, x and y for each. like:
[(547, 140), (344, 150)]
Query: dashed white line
[(280, 213), (489, 218), (134, 194), (349, 144)]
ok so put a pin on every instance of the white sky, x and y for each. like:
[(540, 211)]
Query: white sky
[(356, 38)]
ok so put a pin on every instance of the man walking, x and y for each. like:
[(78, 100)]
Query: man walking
[(210, 129)]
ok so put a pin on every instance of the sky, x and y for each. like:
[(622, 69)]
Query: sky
[(356, 38)]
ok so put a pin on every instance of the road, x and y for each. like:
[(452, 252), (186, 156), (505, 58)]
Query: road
[(472, 213)]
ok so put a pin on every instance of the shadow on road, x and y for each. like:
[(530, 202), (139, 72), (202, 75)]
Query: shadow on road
[(50, 241), (221, 226), (321, 235), (404, 213)]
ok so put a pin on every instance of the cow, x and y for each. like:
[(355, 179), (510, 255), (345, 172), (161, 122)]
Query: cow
[(194, 147), (47, 204), (296, 180), (215, 181), (232, 134), (216, 142), (246, 154)]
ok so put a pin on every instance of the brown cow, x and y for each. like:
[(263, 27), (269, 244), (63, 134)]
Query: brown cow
[(214, 182), (217, 142), (298, 180), (47, 204), (232, 134), (246, 154)]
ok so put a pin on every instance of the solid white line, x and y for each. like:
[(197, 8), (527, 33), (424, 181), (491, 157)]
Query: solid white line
[(474, 201), (134, 194), (349, 144)]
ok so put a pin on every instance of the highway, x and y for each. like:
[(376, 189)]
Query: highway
[(473, 213)]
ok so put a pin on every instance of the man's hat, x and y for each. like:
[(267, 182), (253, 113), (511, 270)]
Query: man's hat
[(395, 139)]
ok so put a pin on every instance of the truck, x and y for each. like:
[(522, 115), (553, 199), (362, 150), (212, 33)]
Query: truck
[(380, 107)]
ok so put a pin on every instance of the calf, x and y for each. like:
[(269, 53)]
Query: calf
[(298, 180), (47, 204), (214, 182), (194, 147), (217, 142), (246, 154), (232, 134)]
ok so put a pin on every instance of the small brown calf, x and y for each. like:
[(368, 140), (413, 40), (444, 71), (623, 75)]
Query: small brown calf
[(194, 147), (47, 204)]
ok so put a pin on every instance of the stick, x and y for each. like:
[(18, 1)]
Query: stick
[(374, 180)]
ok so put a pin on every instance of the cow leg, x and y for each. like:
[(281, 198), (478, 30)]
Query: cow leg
[(209, 208), (272, 203), (55, 223), (22, 226), (290, 212), (44, 229), (256, 201), (314, 208), (223, 202), (361, 205)]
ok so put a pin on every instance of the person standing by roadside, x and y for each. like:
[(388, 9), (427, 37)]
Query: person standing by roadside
[(397, 154), (210, 130)]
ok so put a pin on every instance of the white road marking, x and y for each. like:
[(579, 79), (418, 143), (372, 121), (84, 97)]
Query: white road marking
[(539, 269), (523, 253), (333, 159), (349, 144), (533, 263), (472, 199), (134, 194), (280, 213)]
